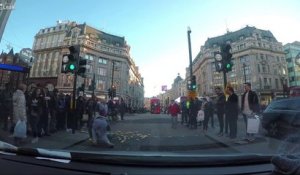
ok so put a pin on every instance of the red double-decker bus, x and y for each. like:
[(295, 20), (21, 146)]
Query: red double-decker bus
[(155, 106)]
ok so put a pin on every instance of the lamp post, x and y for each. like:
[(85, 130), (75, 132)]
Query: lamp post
[(192, 92), (296, 67), (244, 67), (190, 51), (283, 82)]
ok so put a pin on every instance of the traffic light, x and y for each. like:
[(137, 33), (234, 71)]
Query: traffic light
[(219, 62), (189, 87), (81, 67), (227, 57), (69, 61), (193, 83)]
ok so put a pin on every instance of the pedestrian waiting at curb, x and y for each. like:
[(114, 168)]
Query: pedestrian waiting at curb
[(250, 106), (232, 112), (220, 102)]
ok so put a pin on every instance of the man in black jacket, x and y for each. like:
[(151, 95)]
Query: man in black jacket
[(232, 112), (220, 103), (249, 105)]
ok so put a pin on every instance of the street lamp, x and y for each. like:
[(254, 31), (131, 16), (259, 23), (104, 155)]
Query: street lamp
[(244, 67), (192, 92), (283, 82)]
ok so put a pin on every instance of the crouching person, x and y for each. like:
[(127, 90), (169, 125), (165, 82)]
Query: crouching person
[(99, 128)]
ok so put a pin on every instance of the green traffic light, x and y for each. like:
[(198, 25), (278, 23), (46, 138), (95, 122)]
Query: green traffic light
[(72, 66), (228, 66)]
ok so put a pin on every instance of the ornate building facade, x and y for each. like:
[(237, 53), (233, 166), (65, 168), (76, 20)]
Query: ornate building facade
[(108, 58), (258, 58)]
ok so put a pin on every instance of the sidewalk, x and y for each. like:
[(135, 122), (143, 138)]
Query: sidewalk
[(261, 143), (57, 140)]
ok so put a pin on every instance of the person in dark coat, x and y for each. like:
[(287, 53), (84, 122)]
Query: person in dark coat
[(207, 107), (53, 110), (6, 106), (220, 103), (91, 111), (193, 112), (231, 112), (80, 108), (36, 112), (184, 112), (122, 108), (61, 111)]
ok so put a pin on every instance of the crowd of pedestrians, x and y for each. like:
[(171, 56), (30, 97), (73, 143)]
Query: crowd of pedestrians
[(225, 106), (46, 112)]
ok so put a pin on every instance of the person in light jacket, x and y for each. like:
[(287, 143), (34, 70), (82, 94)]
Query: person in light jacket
[(19, 108), (99, 128)]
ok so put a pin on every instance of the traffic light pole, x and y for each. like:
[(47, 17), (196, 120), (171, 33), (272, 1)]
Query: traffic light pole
[(74, 95), (192, 93), (190, 52), (225, 79), (112, 76), (93, 92), (74, 103)]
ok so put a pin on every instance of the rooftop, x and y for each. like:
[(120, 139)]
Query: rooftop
[(235, 36)]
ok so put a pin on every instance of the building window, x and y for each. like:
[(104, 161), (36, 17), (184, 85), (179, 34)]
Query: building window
[(276, 83), (247, 70), (262, 56), (291, 69), (292, 79), (100, 85), (89, 57), (90, 70), (258, 68), (265, 81), (277, 58), (102, 61), (260, 83), (264, 69), (102, 71), (289, 60)]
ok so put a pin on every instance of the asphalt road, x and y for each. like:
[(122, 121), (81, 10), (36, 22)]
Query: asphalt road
[(153, 132)]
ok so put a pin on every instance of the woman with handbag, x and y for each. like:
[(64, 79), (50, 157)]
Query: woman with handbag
[(19, 114)]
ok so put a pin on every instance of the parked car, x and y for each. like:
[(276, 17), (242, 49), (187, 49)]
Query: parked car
[(282, 117)]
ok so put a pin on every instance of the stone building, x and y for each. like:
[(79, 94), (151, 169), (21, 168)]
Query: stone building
[(107, 55), (257, 58)]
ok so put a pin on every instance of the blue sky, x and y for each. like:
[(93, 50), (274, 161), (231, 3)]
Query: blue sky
[(156, 29)]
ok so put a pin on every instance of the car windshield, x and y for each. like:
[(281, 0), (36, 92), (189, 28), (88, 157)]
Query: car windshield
[(171, 76)]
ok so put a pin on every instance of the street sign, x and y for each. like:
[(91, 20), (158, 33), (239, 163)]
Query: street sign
[(14, 68)]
